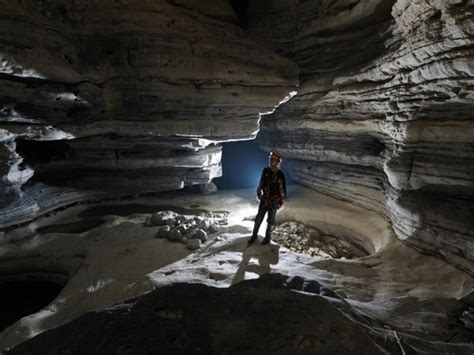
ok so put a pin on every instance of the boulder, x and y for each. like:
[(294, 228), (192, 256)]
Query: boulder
[(204, 224), (193, 244), (201, 235), (198, 219), (213, 228), (180, 218), (207, 189), (164, 217), (176, 233), (163, 231)]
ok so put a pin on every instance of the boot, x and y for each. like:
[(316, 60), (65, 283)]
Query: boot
[(268, 233), (266, 240), (252, 239)]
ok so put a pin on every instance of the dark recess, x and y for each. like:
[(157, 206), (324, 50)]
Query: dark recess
[(41, 151), (21, 298), (241, 10)]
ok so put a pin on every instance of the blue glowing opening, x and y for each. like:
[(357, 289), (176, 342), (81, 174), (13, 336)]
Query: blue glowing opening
[(242, 165)]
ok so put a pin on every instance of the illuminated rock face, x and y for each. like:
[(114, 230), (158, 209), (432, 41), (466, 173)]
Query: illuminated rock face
[(121, 97), (383, 115)]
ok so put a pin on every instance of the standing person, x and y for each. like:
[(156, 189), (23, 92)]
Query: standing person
[(271, 192)]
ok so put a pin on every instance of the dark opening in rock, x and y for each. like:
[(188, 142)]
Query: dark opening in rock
[(41, 151), (23, 297)]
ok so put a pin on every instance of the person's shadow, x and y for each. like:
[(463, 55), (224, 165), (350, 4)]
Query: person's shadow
[(266, 255)]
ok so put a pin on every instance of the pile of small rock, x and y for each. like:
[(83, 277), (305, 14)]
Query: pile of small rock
[(191, 230), (308, 240)]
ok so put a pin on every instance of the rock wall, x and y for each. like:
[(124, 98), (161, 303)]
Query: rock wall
[(115, 98), (383, 115), (120, 97)]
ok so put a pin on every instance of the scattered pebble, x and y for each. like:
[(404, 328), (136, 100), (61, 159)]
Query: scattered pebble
[(308, 240)]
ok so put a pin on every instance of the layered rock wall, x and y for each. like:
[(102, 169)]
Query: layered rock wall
[(383, 115), (121, 97)]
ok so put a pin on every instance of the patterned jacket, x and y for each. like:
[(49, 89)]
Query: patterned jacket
[(272, 187)]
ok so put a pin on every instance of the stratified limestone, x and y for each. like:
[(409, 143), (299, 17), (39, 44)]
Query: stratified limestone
[(383, 115), (120, 97)]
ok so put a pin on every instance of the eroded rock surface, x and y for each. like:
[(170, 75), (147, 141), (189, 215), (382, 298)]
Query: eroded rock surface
[(245, 319), (123, 97), (383, 114)]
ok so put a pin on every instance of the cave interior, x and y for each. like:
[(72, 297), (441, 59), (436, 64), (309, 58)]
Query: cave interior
[(134, 135)]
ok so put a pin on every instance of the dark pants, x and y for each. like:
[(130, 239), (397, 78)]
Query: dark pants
[(272, 209)]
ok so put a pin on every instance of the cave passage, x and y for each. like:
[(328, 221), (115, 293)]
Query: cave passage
[(21, 298), (242, 165)]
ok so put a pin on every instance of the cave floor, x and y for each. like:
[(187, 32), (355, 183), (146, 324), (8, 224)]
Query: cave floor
[(111, 255)]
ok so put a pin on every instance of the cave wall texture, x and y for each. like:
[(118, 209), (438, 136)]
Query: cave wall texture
[(383, 115), (107, 98), (116, 97)]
